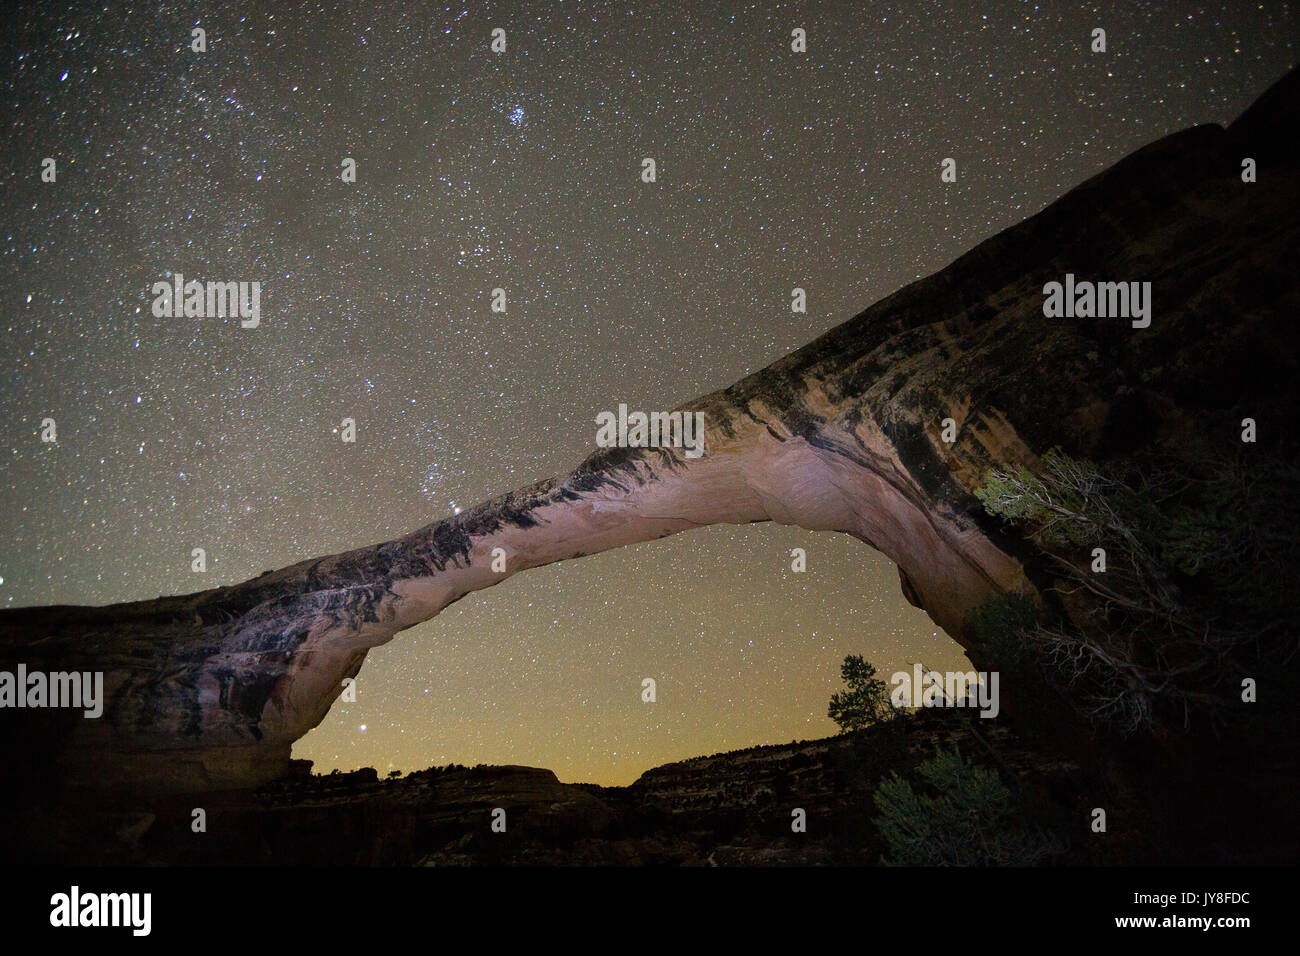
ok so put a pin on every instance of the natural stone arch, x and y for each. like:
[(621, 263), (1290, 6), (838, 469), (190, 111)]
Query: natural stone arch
[(211, 689)]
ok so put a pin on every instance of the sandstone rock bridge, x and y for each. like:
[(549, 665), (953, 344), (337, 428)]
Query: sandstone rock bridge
[(210, 690)]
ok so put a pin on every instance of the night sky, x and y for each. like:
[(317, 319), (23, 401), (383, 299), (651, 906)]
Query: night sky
[(519, 170)]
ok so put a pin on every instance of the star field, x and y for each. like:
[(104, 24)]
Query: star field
[(518, 170)]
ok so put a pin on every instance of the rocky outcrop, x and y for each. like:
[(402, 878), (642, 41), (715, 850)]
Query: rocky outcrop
[(210, 690)]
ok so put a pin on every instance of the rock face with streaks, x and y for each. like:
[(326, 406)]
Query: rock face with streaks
[(209, 690)]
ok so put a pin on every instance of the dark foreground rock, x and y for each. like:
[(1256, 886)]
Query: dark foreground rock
[(732, 809), (728, 809)]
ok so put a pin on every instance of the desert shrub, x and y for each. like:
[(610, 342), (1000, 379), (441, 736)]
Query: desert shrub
[(1147, 634), (963, 816)]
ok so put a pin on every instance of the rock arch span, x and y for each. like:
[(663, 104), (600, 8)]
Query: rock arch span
[(210, 690)]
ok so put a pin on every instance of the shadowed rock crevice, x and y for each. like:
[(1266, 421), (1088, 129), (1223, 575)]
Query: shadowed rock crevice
[(210, 690)]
